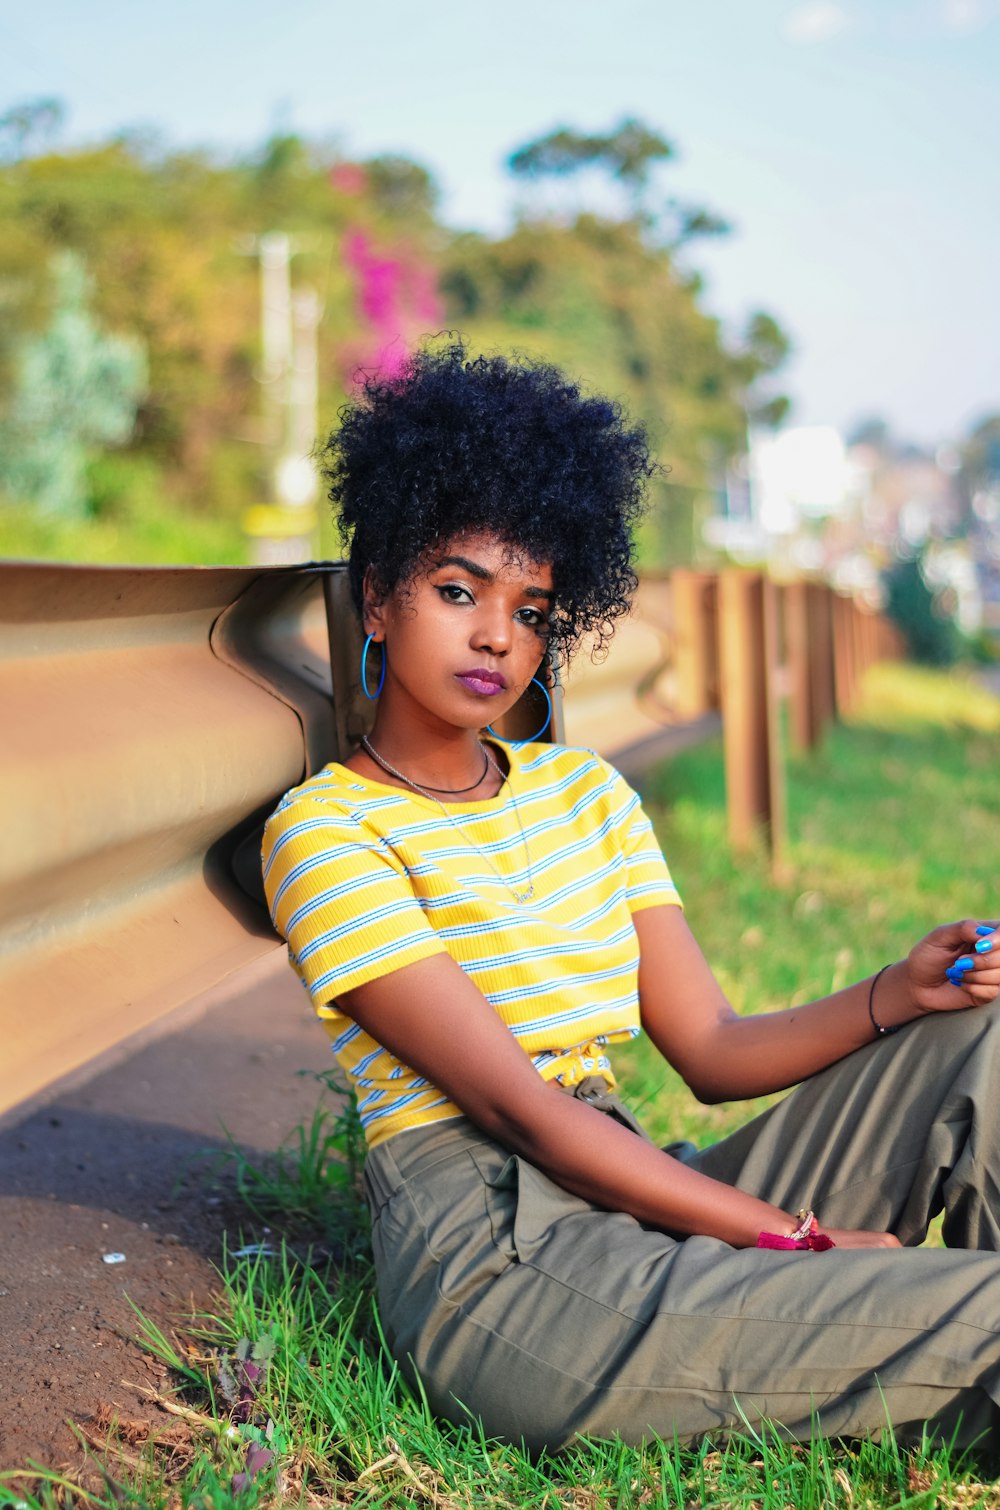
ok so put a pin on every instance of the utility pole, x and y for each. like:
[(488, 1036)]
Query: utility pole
[(282, 527), (296, 476), (275, 252)]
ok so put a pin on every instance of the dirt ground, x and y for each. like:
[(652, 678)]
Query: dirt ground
[(116, 1165)]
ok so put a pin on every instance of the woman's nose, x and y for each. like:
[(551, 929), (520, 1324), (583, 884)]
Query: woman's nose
[(492, 631)]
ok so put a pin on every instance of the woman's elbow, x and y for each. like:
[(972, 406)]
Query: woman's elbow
[(704, 1078), (705, 1061), (707, 1092)]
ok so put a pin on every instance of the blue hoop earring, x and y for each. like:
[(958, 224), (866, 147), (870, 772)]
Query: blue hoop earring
[(517, 743), (371, 696)]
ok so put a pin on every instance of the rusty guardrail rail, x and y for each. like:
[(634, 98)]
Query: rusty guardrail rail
[(151, 717), (148, 719)]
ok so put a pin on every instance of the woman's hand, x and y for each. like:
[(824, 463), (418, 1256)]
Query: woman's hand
[(954, 967), (856, 1239)]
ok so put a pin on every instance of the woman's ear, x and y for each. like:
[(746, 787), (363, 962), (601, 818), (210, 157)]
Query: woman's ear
[(372, 606)]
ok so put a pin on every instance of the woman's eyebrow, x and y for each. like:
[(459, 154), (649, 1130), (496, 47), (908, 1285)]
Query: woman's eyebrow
[(475, 570), (472, 567)]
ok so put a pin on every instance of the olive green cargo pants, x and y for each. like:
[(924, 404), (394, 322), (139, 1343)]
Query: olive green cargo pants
[(548, 1317)]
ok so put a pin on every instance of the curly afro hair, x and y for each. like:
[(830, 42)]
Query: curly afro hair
[(505, 445)]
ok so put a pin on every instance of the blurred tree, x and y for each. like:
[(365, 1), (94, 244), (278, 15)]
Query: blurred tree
[(29, 128), (76, 388), (628, 154), (160, 235), (931, 633), (401, 188), (763, 349), (171, 239)]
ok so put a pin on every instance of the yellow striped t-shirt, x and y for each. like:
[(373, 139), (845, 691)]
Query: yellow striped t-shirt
[(363, 878)]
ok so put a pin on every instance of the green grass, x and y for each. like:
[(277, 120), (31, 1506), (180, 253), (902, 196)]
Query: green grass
[(893, 826), (168, 536)]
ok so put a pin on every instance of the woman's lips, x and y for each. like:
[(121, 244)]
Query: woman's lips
[(483, 683)]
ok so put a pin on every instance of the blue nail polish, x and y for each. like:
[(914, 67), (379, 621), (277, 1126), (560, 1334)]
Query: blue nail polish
[(982, 928), (966, 962), (955, 976), (984, 946)]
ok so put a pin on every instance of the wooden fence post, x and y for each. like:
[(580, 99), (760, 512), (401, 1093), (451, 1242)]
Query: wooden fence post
[(821, 684), (804, 725), (694, 611), (845, 653), (748, 655)]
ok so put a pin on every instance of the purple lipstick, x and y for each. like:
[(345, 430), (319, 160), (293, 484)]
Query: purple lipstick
[(482, 682)]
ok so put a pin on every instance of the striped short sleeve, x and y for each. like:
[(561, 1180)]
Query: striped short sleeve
[(341, 898), (648, 882)]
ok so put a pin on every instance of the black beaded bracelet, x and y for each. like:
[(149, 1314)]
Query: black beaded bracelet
[(880, 1030)]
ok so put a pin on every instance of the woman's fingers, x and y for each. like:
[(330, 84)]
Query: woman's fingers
[(956, 966), (977, 971), (847, 1238)]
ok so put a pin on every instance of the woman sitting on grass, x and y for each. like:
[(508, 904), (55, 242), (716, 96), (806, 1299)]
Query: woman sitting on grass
[(478, 921)]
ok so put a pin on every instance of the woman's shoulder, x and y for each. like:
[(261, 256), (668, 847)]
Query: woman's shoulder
[(570, 776), (577, 782), (535, 759), (332, 785), (333, 796)]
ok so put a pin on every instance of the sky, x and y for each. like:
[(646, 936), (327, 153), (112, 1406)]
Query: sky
[(853, 146)]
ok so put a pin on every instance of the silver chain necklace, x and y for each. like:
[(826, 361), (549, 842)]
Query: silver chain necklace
[(432, 792)]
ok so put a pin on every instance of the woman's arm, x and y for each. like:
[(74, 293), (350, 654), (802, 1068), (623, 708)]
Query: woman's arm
[(434, 1018), (723, 1056)]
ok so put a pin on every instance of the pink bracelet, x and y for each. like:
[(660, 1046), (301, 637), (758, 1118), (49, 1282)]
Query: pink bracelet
[(807, 1237)]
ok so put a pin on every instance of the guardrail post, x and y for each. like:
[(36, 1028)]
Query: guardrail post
[(748, 660), (804, 724), (820, 640), (352, 717), (845, 653), (694, 604)]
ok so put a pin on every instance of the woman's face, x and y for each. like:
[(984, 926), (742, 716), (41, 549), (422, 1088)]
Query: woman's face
[(464, 635)]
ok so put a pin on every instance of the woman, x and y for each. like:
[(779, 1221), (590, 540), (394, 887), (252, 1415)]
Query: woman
[(478, 921)]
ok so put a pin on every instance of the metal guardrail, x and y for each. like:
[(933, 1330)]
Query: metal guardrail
[(150, 718)]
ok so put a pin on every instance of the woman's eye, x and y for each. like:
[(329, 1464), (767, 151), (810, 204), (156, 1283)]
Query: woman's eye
[(453, 593), (533, 617)]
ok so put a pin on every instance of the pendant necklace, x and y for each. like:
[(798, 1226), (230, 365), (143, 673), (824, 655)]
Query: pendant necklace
[(432, 792)]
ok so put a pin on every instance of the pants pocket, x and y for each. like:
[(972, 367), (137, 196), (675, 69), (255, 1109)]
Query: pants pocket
[(526, 1208), (500, 1194)]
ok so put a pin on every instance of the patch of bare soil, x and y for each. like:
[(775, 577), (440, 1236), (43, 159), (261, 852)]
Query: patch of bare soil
[(108, 1205)]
